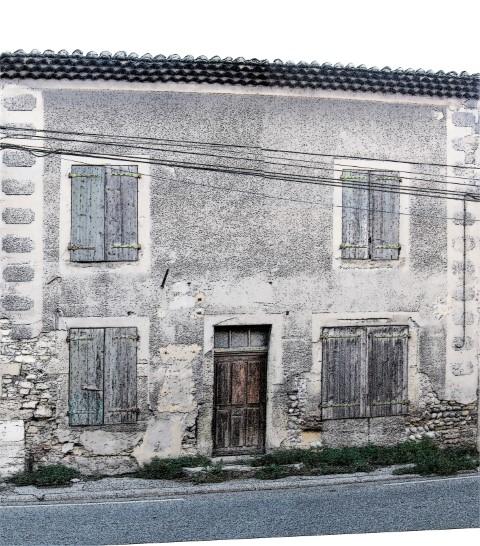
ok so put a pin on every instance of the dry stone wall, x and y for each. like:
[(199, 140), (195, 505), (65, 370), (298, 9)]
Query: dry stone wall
[(447, 421), (33, 421)]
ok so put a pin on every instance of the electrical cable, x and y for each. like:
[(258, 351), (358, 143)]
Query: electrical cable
[(325, 166), (409, 190), (187, 143)]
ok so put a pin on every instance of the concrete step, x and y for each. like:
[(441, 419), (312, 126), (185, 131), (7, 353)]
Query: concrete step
[(232, 459), (230, 470)]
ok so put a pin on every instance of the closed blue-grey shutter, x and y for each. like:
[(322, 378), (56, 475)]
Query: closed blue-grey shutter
[(121, 213), (120, 375), (355, 230), (87, 214), (387, 370), (343, 372), (86, 376), (384, 216)]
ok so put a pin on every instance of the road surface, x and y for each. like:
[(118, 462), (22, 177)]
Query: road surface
[(440, 503)]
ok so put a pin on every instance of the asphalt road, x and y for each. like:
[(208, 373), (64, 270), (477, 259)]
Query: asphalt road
[(395, 506)]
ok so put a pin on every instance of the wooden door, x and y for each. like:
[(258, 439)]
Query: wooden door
[(239, 410)]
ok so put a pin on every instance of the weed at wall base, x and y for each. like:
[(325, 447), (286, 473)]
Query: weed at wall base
[(171, 468), (425, 456), (50, 475)]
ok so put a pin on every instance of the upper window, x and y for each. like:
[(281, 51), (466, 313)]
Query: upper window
[(364, 371), (104, 213), (103, 376), (370, 215)]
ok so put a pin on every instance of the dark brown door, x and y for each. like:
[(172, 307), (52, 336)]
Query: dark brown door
[(239, 411)]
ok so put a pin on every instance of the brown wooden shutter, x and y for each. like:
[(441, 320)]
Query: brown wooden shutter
[(343, 372), (87, 214), (355, 230), (384, 216), (86, 376), (121, 214), (120, 375), (387, 370)]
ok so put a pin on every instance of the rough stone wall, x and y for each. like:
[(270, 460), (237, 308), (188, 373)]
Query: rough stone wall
[(36, 398), (446, 421)]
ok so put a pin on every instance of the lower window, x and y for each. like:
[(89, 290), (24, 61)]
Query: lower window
[(103, 376), (364, 371)]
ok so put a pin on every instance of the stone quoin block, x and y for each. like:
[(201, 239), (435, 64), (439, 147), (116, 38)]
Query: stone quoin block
[(10, 243), (18, 216), (18, 273), (463, 119), (458, 295), (470, 103), (20, 103), (11, 186), (468, 144), (21, 331), (18, 158), (13, 302), (469, 158), (462, 368), (12, 129), (12, 447)]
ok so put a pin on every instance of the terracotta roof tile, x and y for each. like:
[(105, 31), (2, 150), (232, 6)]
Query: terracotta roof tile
[(133, 68)]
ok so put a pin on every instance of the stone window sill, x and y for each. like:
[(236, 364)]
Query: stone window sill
[(370, 264), (139, 426)]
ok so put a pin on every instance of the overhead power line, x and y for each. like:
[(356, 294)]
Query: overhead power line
[(323, 166), (423, 192), (447, 194), (189, 143)]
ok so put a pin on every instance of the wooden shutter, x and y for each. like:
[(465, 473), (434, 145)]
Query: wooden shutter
[(384, 216), (86, 376), (121, 239), (87, 210), (387, 370), (355, 231), (120, 375), (343, 372)]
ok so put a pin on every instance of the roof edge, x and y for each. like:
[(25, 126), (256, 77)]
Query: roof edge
[(237, 60)]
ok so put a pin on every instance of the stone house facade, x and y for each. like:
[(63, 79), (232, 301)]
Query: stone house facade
[(224, 256)]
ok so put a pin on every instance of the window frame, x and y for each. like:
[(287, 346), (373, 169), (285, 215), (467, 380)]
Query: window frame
[(250, 347)]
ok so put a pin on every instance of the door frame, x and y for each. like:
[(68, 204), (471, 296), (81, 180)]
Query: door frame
[(276, 429)]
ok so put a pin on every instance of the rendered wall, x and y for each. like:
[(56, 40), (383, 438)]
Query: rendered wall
[(237, 258)]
